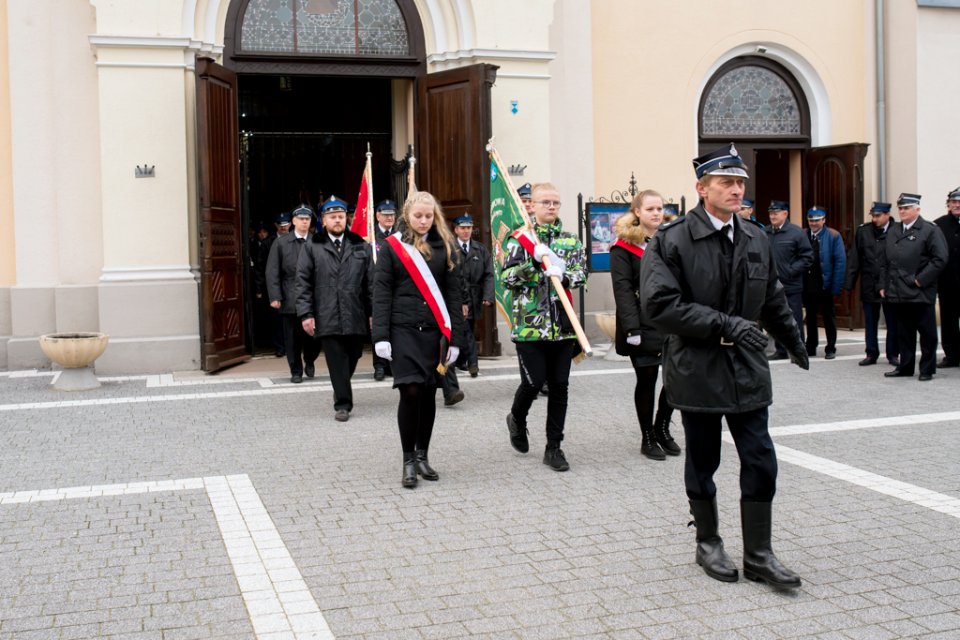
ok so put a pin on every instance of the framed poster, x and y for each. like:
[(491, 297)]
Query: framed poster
[(601, 216)]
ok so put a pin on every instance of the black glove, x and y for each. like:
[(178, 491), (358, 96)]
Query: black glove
[(743, 332), (798, 354)]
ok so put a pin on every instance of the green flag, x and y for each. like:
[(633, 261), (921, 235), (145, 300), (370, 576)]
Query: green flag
[(505, 218)]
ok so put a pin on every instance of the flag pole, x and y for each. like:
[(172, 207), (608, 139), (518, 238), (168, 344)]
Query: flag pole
[(557, 284), (411, 179)]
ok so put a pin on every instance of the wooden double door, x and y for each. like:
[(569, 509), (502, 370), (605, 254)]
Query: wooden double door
[(453, 124)]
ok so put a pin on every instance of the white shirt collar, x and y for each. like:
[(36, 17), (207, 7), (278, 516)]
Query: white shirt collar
[(304, 236), (333, 237), (718, 224), (906, 227), (464, 242)]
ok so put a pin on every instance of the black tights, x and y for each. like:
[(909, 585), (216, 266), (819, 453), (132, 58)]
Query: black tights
[(643, 396), (415, 415)]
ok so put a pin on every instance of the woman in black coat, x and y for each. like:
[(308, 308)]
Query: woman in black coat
[(405, 329), (634, 337)]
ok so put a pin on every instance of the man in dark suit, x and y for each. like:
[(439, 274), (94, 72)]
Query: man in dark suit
[(282, 290), (824, 281), (915, 253), (948, 286), (866, 263), (477, 273), (793, 256)]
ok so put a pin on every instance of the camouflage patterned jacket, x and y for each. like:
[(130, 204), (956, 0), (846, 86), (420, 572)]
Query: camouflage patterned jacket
[(536, 310)]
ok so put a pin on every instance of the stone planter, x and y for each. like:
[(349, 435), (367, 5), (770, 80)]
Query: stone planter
[(75, 352)]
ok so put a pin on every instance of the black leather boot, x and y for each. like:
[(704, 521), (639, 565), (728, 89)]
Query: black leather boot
[(710, 554), (759, 563), (648, 444), (409, 469), (423, 466), (661, 431)]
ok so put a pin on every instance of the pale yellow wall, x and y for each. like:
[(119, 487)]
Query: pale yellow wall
[(938, 107), (148, 18), (902, 114), (8, 253), (651, 60)]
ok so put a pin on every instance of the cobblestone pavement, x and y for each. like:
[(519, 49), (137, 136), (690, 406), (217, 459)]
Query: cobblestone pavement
[(236, 507)]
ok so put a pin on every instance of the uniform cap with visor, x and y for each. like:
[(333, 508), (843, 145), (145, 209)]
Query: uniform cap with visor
[(878, 208), (908, 200), (333, 203), (725, 161)]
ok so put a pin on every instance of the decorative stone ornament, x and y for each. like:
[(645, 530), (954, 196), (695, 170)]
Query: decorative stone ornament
[(75, 352)]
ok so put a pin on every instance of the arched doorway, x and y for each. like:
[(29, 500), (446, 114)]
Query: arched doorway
[(313, 83), (760, 105)]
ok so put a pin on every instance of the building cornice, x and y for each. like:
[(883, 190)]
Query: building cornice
[(158, 273)]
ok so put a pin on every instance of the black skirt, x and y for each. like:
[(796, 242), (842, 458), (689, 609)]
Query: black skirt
[(416, 354)]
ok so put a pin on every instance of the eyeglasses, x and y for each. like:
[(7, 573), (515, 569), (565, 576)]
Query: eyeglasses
[(550, 203)]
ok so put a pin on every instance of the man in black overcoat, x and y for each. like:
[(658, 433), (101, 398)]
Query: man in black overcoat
[(793, 256), (948, 285)]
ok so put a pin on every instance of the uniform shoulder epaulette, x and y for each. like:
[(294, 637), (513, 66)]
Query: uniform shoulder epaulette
[(758, 224), (676, 221), (865, 224)]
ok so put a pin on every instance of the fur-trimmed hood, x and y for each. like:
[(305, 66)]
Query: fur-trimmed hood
[(322, 236), (628, 229)]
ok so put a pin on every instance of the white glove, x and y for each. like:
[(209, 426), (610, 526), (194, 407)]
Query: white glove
[(452, 354), (634, 340), (383, 350), (539, 251), (554, 270)]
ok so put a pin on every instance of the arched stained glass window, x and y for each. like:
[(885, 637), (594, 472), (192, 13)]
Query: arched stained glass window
[(324, 27), (751, 100)]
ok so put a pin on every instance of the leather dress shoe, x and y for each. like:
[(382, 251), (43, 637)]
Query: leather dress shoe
[(866, 362), (897, 373), (379, 374), (342, 415), (296, 378), (474, 370), (456, 397), (309, 370), (925, 377), (829, 355), (948, 364)]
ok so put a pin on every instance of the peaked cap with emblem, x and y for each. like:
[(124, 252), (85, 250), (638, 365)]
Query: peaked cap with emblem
[(908, 200), (815, 213), (880, 207), (303, 211), (387, 207), (464, 220), (779, 205), (333, 203), (525, 190), (725, 161)]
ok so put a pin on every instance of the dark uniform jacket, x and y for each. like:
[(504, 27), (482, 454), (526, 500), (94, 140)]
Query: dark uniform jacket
[(625, 273), (335, 289), (260, 264), (397, 301), (949, 283), (686, 287), (477, 272), (918, 254), (866, 261), (282, 271), (792, 253)]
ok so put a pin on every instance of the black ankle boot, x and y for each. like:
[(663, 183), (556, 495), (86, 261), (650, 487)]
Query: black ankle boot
[(759, 563), (423, 466), (661, 431), (409, 469), (710, 554), (648, 444)]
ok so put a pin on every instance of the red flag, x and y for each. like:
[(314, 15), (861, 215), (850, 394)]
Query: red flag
[(363, 215)]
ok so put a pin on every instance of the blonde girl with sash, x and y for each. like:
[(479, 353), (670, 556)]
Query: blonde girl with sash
[(417, 323)]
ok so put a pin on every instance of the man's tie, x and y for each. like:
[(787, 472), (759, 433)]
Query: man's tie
[(301, 240), (336, 245), (463, 247)]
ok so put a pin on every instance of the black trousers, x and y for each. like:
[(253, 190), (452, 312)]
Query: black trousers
[(795, 300), (468, 355), (912, 319), (449, 382), (758, 460), (820, 302), (342, 354), (300, 347), (871, 321), (544, 362), (950, 326)]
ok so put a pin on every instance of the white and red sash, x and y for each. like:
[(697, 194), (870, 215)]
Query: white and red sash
[(420, 273), (525, 238), (629, 246)]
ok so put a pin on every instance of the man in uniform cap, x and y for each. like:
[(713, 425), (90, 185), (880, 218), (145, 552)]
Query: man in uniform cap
[(282, 289), (747, 213), (386, 214), (793, 256), (477, 273), (707, 279), (824, 281), (334, 299), (865, 262), (525, 191), (916, 253), (948, 286)]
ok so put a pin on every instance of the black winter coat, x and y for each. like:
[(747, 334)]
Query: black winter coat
[(625, 273), (685, 288), (792, 253), (866, 260), (397, 301), (948, 284), (477, 272), (282, 271), (335, 289), (919, 254)]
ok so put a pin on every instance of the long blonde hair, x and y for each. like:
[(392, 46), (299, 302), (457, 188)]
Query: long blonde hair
[(631, 219), (439, 223)]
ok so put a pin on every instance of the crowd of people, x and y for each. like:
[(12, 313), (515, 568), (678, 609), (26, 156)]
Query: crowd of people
[(699, 296)]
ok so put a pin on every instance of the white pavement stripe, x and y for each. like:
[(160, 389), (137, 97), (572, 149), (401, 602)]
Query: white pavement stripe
[(272, 390), (277, 598), (867, 423)]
